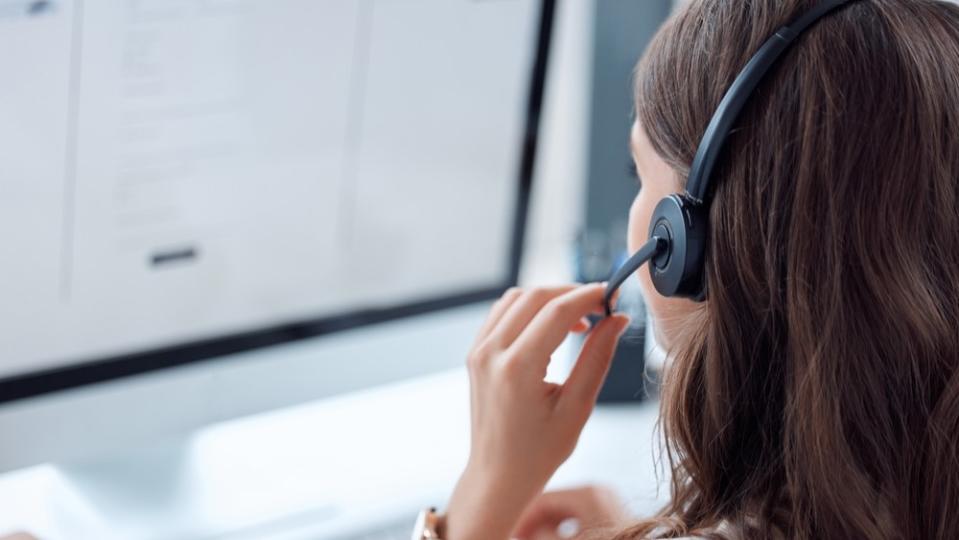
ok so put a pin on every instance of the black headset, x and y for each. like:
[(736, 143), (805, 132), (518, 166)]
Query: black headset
[(676, 248)]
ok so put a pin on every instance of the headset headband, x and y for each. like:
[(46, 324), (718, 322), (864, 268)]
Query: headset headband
[(700, 175)]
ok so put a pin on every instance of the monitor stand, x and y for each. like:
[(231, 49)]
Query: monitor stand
[(148, 486)]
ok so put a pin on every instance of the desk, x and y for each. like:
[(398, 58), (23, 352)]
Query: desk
[(323, 470)]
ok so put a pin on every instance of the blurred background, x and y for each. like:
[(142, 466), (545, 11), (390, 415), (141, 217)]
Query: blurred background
[(245, 245)]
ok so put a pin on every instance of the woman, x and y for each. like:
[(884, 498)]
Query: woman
[(814, 394)]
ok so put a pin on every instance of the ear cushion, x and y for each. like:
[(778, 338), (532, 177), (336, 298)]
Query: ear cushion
[(678, 270)]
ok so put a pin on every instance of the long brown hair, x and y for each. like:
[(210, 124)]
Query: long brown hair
[(816, 393)]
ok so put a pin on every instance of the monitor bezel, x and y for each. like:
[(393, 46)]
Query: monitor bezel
[(99, 370)]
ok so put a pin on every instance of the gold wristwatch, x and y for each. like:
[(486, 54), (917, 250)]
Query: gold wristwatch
[(427, 525)]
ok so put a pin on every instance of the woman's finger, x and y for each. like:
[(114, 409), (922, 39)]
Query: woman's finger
[(496, 313), (522, 311), (581, 326), (586, 378), (551, 324), (541, 516), (554, 507)]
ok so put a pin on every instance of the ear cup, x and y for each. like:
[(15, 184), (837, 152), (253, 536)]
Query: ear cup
[(678, 270)]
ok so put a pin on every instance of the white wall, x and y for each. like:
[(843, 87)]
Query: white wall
[(557, 202)]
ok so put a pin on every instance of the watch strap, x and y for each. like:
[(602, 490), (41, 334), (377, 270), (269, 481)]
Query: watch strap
[(427, 525)]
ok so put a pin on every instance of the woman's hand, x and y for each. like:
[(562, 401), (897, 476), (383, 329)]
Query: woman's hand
[(524, 428), (591, 507)]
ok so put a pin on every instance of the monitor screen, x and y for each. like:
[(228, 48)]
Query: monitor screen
[(185, 178)]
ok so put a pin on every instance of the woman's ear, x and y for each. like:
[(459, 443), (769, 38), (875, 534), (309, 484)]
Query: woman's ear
[(659, 180)]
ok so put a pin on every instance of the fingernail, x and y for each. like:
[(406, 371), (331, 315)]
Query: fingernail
[(625, 320)]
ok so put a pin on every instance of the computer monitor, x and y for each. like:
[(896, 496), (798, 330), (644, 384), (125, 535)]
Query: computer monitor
[(207, 204)]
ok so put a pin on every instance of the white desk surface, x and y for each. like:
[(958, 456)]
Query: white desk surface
[(323, 470)]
